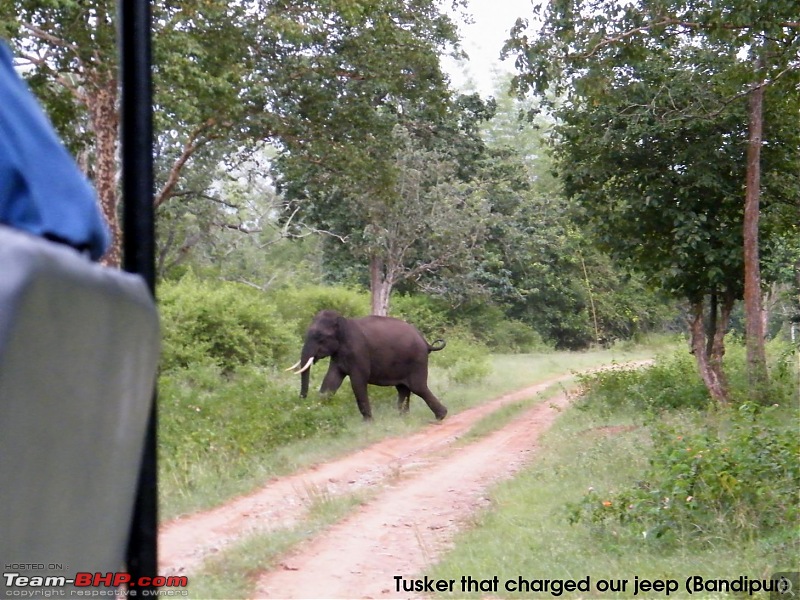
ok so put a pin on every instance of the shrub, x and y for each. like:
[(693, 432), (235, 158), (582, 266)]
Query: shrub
[(425, 313), (735, 472), (713, 470), (464, 359), (221, 323), (299, 305), (512, 336), (672, 382), (489, 324)]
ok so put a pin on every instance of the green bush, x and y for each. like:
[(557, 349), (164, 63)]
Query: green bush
[(512, 336), (464, 358), (672, 382), (299, 305), (735, 472), (489, 324), (714, 470), (221, 323), (427, 314)]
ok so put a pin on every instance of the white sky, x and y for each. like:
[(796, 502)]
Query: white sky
[(483, 39)]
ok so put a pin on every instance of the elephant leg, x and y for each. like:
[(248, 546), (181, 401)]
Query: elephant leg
[(403, 397), (359, 384), (332, 382), (439, 409)]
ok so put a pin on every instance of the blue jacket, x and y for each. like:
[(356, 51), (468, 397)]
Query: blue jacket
[(42, 190)]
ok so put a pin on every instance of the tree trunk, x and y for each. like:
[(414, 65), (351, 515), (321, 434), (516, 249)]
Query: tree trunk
[(380, 287), (102, 105), (717, 339), (754, 328), (710, 373), (712, 323)]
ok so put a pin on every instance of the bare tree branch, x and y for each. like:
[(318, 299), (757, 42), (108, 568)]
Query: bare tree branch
[(309, 230), (260, 288), (670, 21), (191, 146), (49, 37)]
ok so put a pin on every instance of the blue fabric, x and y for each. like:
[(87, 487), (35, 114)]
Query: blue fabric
[(42, 190)]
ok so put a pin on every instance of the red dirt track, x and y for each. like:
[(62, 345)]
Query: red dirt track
[(427, 489)]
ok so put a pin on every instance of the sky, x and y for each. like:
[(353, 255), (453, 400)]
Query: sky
[(482, 40)]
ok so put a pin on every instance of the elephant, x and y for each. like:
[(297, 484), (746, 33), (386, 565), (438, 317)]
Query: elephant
[(370, 350)]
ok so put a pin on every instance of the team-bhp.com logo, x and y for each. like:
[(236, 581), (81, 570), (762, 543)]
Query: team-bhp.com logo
[(86, 580)]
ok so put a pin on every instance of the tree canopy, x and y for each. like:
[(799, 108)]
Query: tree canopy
[(658, 135), (323, 80), (334, 117)]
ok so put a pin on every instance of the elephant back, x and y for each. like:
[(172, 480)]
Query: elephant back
[(391, 333)]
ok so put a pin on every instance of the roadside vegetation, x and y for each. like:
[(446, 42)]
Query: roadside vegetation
[(649, 477), (230, 416), (234, 570), (651, 188)]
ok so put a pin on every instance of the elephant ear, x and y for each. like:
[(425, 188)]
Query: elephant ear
[(341, 328)]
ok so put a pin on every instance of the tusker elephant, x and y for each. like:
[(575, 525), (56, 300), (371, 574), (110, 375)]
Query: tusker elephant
[(370, 350)]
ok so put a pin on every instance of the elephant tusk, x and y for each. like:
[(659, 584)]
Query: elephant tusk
[(294, 366), (306, 367)]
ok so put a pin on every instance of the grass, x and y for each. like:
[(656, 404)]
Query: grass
[(527, 531), (210, 445), (233, 572)]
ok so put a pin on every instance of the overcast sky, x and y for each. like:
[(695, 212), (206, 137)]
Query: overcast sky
[(483, 40)]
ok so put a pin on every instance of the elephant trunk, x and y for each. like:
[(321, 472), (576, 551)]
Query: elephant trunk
[(306, 356)]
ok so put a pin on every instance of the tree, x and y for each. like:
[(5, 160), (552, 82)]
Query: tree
[(415, 213), (538, 264), (69, 50), (434, 222), (321, 77), (651, 91), (226, 222), (424, 222)]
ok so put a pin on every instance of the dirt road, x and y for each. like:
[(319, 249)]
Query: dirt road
[(411, 521), (427, 489)]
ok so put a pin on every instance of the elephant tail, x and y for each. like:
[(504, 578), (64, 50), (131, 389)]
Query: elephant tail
[(436, 346)]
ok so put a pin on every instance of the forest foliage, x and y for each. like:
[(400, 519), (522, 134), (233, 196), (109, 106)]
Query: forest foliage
[(335, 163), (673, 140), (320, 143), (312, 154)]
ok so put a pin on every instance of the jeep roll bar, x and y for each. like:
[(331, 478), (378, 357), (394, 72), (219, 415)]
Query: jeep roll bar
[(138, 245)]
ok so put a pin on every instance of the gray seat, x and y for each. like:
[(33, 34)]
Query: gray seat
[(79, 346)]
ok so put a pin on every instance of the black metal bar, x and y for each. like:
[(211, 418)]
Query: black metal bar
[(138, 244), (137, 139)]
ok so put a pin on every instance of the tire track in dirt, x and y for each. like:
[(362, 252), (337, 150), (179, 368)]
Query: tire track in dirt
[(429, 493), (413, 520), (186, 541), (404, 528)]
